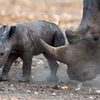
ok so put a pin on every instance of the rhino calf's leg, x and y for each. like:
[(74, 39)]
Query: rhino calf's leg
[(26, 68), (7, 67), (53, 68)]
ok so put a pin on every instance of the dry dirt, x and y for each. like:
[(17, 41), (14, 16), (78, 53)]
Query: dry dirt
[(67, 14)]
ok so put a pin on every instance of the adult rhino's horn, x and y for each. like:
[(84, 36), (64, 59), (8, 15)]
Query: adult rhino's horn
[(58, 53)]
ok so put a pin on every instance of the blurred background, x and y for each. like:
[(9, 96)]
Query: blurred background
[(66, 13)]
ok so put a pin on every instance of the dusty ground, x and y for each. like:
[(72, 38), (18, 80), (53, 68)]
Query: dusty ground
[(67, 14)]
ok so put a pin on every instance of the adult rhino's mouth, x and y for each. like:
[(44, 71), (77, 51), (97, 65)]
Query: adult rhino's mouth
[(82, 75)]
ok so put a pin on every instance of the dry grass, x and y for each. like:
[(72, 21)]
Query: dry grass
[(66, 13)]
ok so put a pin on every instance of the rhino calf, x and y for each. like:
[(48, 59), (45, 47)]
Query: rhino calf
[(25, 42)]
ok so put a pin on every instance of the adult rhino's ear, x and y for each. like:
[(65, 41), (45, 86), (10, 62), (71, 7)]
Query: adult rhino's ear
[(70, 33), (73, 36), (11, 32), (2, 29)]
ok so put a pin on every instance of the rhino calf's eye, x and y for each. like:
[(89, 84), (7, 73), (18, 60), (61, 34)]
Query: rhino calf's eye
[(1, 54)]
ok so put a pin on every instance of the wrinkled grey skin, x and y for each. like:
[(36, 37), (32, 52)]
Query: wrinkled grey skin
[(82, 57), (26, 42)]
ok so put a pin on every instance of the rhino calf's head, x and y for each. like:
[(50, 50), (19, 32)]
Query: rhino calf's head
[(5, 43)]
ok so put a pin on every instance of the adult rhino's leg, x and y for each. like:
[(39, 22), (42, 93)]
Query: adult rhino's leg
[(26, 68), (53, 68), (7, 67)]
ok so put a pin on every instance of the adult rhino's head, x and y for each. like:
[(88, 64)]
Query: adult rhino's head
[(82, 58), (5, 43)]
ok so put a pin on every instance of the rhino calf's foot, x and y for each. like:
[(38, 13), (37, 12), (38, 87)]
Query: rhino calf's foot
[(74, 83), (4, 78), (52, 78), (24, 79)]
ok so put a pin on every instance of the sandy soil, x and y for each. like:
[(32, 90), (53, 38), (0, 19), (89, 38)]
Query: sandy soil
[(67, 14)]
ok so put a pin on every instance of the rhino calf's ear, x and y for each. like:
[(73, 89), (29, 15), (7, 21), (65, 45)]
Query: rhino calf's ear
[(2, 29), (11, 31)]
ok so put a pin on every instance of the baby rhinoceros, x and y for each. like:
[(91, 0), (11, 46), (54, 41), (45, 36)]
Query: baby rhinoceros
[(23, 40)]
